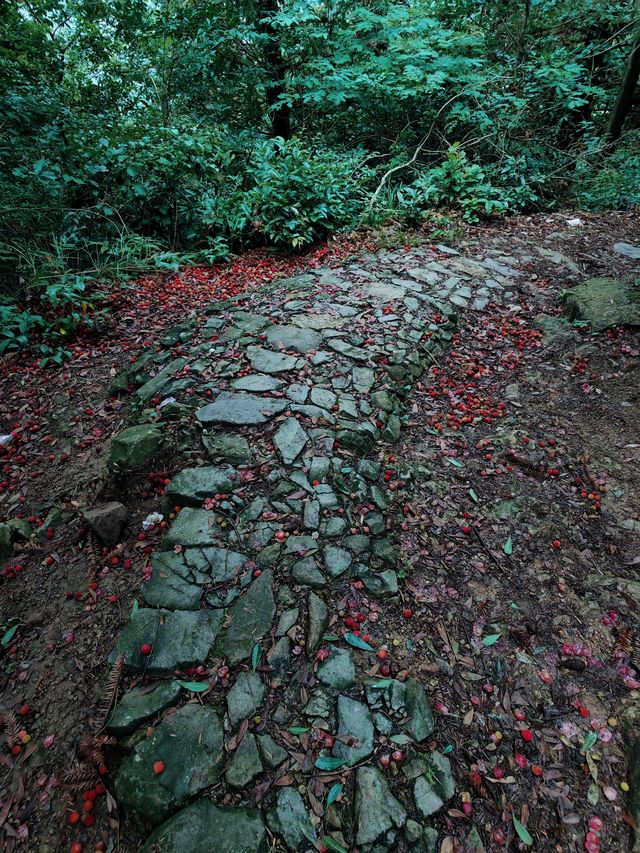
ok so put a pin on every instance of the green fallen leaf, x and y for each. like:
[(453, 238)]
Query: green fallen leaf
[(508, 547), (490, 639), (298, 730), (358, 642), (334, 793), (328, 762), (9, 636), (522, 831), (135, 607), (331, 844), (456, 462), (381, 683), (593, 794), (195, 686), (448, 748), (473, 496), (588, 742), (256, 654)]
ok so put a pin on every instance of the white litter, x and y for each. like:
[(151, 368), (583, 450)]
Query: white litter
[(150, 520)]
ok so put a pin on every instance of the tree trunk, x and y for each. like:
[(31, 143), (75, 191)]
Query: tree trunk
[(280, 112), (624, 101)]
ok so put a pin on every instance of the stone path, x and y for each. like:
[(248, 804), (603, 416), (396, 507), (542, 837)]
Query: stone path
[(258, 622)]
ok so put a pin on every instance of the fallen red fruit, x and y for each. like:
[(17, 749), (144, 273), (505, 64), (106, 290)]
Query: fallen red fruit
[(557, 543), (158, 767), (527, 735), (77, 847), (73, 818), (407, 613), (397, 755), (145, 649)]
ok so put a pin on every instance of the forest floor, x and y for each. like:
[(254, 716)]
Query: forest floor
[(510, 515)]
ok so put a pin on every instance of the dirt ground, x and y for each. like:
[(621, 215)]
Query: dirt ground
[(521, 535)]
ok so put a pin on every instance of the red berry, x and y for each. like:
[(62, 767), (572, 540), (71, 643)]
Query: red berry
[(382, 654), (88, 820), (77, 847), (397, 755), (527, 735), (87, 805), (557, 543), (145, 649), (158, 767), (73, 818), (385, 760), (407, 613), (24, 710)]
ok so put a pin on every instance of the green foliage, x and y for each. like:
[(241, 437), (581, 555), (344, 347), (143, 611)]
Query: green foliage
[(134, 135), (291, 195)]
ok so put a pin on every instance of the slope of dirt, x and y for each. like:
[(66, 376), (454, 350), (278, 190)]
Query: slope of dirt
[(515, 505)]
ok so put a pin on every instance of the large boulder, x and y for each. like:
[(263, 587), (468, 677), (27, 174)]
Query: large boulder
[(604, 302)]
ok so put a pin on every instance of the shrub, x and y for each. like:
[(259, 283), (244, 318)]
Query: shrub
[(290, 195)]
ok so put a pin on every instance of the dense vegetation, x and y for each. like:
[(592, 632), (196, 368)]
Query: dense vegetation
[(143, 132)]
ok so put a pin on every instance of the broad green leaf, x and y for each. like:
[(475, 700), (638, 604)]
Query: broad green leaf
[(508, 547), (331, 844), (8, 636), (358, 642), (490, 639), (593, 794), (522, 831), (334, 793), (195, 686), (455, 462), (588, 742), (328, 762), (256, 654), (381, 683)]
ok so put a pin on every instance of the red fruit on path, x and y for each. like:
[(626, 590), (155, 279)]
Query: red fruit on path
[(158, 767), (280, 535), (536, 770), (145, 649), (527, 735), (382, 654), (557, 543), (88, 820), (397, 755), (77, 847), (24, 710), (407, 613), (87, 805), (73, 818), (385, 760)]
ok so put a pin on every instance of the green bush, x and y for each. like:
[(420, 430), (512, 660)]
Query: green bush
[(289, 195), (610, 182)]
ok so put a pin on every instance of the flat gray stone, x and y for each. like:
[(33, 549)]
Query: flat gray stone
[(336, 560), (178, 638), (354, 722), (318, 622), (193, 828), (272, 753), (420, 723), (293, 819), (376, 809), (227, 446), (293, 337), (290, 440), (297, 392), (337, 670), (169, 589), (141, 704), (240, 409), (323, 398), (266, 361), (251, 618), (306, 573), (245, 697), (245, 764), (192, 485), (628, 250), (604, 302), (134, 447), (190, 743), (256, 382), (193, 528)]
